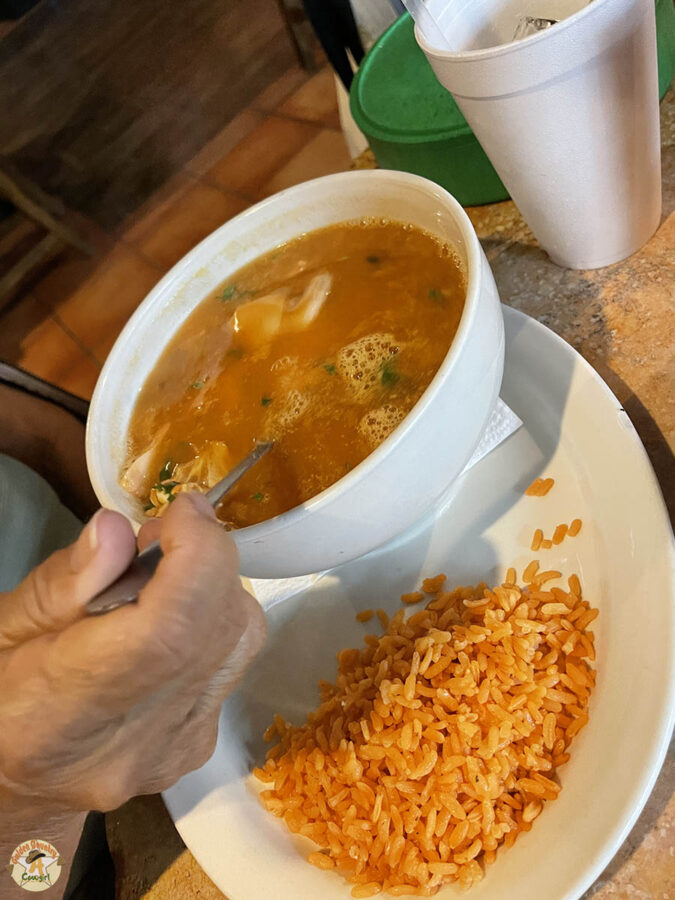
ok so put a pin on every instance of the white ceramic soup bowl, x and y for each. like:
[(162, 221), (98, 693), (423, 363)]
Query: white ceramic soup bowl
[(400, 480)]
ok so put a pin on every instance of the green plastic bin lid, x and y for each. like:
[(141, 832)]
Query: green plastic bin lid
[(397, 97)]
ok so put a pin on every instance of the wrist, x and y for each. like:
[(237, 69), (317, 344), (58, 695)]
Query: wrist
[(61, 830), (20, 810)]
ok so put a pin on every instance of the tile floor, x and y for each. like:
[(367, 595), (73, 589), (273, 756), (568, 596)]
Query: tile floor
[(64, 326)]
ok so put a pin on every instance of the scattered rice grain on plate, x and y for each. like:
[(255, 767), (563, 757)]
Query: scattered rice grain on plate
[(365, 615), (439, 741), (539, 487), (559, 533), (539, 542)]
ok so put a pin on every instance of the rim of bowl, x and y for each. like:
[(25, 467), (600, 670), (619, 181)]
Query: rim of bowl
[(474, 277)]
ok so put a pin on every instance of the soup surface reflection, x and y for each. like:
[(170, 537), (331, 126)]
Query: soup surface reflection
[(324, 345)]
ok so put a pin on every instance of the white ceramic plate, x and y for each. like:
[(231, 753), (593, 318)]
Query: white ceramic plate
[(576, 431)]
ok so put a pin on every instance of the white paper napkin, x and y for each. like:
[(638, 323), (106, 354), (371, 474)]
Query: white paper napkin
[(503, 423)]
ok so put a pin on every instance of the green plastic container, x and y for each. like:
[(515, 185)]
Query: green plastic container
[(413, 124), (665, 43)]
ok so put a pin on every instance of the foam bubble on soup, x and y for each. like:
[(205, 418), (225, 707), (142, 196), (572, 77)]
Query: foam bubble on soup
[(378, 424), (362, 362)]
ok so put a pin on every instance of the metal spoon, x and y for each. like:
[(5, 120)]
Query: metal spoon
[(528, 25), (141, 569)]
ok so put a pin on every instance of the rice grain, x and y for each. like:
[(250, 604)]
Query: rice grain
[(365, 615)]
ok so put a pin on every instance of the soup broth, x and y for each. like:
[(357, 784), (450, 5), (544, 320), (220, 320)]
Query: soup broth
[(323, 345)]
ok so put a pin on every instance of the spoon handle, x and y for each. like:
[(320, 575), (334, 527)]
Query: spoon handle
[(142, 567), (218, 491)]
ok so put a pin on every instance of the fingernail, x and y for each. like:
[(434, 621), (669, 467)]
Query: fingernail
[(91, 530), (87, 544)]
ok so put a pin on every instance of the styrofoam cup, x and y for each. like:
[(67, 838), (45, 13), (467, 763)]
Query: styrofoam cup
[(569, 117)]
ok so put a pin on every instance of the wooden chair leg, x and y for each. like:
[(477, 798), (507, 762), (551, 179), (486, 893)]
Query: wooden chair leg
[(18, 196), (45, 250), (30, 206), (300, 32)]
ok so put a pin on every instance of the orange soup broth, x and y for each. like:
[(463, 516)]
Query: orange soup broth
[(211, 385)]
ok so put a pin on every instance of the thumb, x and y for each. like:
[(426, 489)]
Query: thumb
[(54, 594)]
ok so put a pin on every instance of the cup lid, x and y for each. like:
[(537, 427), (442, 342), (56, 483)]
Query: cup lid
[(395, 95)]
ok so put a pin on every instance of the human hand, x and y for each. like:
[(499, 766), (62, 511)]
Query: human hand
[(96, 710)]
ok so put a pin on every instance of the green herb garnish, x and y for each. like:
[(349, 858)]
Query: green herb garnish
[(258, 497), (330, 368), (166, 488), (265, 401), (148, 507), (232, 292), (436, 295), (196, 385), (228, 293), (389, 376), (372, 259)]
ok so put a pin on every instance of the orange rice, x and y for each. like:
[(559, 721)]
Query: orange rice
[(537, 538), (559, 533), (440, 740), (365, 615), (539, 542), (540, 487)]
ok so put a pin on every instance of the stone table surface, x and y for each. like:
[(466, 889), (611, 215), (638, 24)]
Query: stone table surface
[(621, 320)]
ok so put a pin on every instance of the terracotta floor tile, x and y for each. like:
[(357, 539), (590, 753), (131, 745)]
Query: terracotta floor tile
[(234, 132), (66, 275), (99, 240), (325, 154), (263, 152), (98, 308), (75, 372), (139, 221), (167, 234), (31, 338), (16, 322), (314, 101), (275, 93)]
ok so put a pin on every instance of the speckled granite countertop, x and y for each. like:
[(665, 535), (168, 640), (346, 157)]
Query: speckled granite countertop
[(621, 319)]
